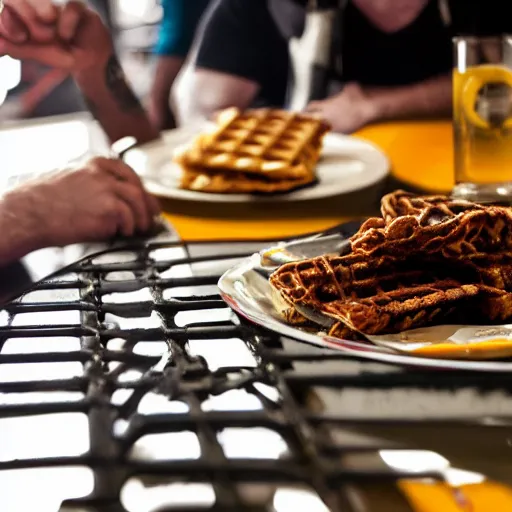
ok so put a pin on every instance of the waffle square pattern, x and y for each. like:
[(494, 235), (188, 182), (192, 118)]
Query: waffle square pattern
[(425, 261), (256, 151)]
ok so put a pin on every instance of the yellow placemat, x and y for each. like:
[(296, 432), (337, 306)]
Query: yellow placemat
[(487, 496), (421, 155), (421, 152)]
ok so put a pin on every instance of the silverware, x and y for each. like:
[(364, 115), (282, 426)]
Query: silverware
[(336, 240)]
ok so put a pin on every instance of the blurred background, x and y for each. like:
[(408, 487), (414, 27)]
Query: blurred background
[(29, 90)]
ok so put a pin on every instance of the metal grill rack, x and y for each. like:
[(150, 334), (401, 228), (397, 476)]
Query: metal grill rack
[(129, 381)]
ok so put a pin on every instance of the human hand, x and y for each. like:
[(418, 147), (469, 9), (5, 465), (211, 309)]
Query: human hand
[(70, 37), (347, 111), (90, 204)]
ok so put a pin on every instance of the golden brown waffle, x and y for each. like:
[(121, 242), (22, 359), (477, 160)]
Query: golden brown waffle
[(338, 329), (434, 226), (372, 295), (427, 260), (231, 183), (401, 203), (403, 309), (273, 145)]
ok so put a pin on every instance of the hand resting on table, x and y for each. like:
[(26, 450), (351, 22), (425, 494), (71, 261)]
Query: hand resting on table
[(94, 203)]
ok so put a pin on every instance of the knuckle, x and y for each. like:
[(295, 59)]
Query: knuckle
[(109, 213), (97, 161), (137, 194), (73, 7), (109, 206)]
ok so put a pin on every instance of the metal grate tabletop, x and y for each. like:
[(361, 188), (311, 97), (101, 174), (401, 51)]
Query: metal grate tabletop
[(127, 384)]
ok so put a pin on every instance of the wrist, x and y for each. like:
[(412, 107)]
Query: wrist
[(374, 106), (22, 227), (94, 66)]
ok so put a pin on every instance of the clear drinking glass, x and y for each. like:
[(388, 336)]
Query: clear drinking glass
[(482, 118)]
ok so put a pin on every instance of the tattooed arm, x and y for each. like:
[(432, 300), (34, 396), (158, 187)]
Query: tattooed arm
[(112, 101), (74, 38)]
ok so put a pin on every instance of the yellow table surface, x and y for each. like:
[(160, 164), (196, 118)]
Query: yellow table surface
[(421, 156)]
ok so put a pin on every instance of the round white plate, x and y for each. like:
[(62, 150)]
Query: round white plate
[(248, 293), (347, 164)]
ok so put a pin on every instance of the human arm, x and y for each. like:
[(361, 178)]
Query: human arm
[(218, 91), (237, 55), (81, 45), (179, 23), (355, 106), (167, 68), (432, 97), (113, 103), (98, 201)]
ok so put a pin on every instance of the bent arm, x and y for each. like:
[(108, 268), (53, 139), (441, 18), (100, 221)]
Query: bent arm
[(175, 37), (113, 102), (166, 70), (202, 92), (433, 97), (237, 53)]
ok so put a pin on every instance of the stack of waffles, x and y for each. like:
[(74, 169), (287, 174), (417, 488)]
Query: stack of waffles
[(257, 151), (426, 261)]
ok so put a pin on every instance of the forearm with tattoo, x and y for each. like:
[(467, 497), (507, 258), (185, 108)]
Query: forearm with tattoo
[(116, 82), (113, 103)]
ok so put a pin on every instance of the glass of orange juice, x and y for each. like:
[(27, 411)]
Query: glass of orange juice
[(482, 118)]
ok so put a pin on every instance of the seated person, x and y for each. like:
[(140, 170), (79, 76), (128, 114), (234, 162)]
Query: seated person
[(105, 197), (357, 61), (179, 24)]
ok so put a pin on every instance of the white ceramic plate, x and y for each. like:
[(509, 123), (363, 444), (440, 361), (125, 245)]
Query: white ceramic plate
[(347, 164), (248, 293)]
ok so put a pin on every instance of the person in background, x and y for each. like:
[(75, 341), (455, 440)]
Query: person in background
[(179, 24), (352, 62), (105, 197)]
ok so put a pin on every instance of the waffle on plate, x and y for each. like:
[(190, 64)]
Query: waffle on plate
[(256, 151), (426, 261)]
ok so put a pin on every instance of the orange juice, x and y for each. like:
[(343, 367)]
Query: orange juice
[(482, 110)]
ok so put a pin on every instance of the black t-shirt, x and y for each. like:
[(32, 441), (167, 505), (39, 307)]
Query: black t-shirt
[(241, 38), (249, 38)]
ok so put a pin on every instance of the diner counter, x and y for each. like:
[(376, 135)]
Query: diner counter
[(421, 157)]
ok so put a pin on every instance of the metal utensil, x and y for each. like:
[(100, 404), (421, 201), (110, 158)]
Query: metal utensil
[(335, 240)]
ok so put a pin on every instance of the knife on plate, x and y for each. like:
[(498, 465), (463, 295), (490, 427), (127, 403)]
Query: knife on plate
[(335, 240)]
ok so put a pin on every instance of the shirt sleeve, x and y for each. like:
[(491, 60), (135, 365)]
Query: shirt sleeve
[(241, 38), (179, 23)]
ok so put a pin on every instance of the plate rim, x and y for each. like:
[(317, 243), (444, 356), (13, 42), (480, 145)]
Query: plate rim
[(376, 176)]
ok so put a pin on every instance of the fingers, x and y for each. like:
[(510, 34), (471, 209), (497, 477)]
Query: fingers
[(39, 29), (45, 10), (129, 188), (125, 218), (134, 198), (154, 205), (69, 20), (12, 28), (123, 172), (50, 55), (119, 170)]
